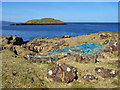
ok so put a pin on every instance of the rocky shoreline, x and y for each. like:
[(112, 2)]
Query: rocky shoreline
[(36, 54), (44, 46)]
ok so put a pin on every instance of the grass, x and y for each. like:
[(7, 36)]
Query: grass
[(33, 75), (109, 32)]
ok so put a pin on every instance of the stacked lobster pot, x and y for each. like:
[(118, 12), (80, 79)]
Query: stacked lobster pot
[(79, 56), (99, 54), (43, 59), (62, 72)]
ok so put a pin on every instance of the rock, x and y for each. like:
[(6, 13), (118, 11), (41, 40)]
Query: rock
[(56, 46), (104, 35), (93, 38), (89, 77), (14, 40), (62, 72), (12, 24), (114, 48), (17, 41), (60, 43), (14, 73), (106, 42), (32, 79), (1, 48), (14, 50), (113, 39), (66, 36), (106, 73), (9, 39)]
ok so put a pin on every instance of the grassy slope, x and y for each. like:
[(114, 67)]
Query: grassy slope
[(33, 75)]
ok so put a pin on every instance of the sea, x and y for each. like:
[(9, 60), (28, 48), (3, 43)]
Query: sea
[(30, 32)]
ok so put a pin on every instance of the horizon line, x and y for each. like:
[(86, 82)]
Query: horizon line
[(74, 21)]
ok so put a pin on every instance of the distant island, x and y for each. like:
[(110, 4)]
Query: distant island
[(43, 21)]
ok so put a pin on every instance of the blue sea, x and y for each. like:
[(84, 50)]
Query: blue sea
[(30, 32)]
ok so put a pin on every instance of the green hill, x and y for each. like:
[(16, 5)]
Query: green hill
[(44, 21)]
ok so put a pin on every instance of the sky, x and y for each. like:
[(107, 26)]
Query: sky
[(64, 11), (60, 0)]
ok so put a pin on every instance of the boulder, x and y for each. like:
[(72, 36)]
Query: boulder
[(104, 35), (14, 40), (9, 39), (106, 73), (62, 72), (17, 41)]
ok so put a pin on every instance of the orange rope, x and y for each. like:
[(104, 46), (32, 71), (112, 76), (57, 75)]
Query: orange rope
[(63, 76)]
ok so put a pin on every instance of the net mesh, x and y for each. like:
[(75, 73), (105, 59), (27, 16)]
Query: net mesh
[(89, 50), (84, 48)]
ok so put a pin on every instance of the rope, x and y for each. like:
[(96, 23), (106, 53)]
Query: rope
[(63, 76)]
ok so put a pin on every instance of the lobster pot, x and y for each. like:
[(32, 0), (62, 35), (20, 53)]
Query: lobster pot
[(86, 58), (100, 54), (62, 72), (91, 58), (43, 59), (77, 49), (76, 57)]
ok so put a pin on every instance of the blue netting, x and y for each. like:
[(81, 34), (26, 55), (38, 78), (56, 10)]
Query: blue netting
[(83, 49), (86, 48)]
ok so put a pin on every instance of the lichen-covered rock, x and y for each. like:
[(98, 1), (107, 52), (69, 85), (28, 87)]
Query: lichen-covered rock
[(106, 73), (62, 72)]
